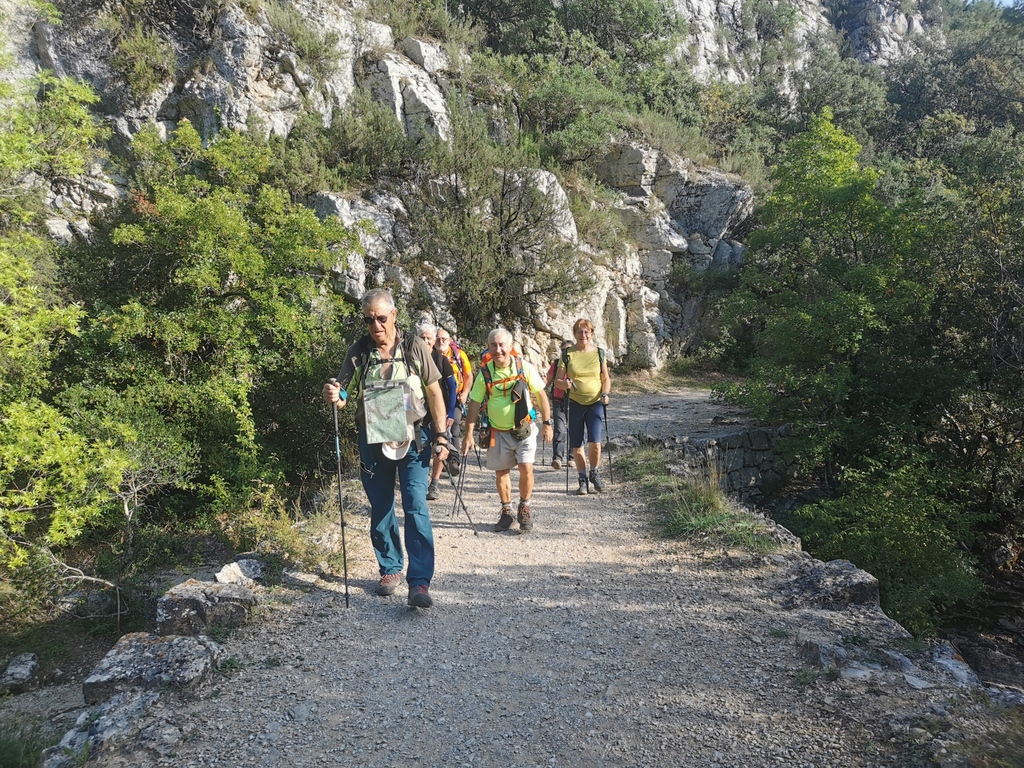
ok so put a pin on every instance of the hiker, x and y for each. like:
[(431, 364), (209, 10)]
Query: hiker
[(583, 371), (463, 380), (449, 389), (390, 374), (559, 404), (511, 388)]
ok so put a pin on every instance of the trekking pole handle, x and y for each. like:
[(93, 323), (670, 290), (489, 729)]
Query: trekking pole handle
[(342, 394)]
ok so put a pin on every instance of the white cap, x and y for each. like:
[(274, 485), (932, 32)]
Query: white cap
[(395, 451)]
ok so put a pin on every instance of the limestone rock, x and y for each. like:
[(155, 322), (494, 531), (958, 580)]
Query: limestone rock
[(835, 585), (630, 167), (194, 607), (245, 572), (145, 660), (431, 58), (409, 92), (112, 720), (22, 674), (702, 200)]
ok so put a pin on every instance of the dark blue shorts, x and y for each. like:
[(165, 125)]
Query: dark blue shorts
[(589, 416)]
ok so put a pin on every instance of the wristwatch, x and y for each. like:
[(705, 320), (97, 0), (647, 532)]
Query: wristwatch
[(548, 422)]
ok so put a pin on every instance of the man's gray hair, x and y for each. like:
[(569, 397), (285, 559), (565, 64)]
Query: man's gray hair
[(426, 327), (377, 296), (497, 332)]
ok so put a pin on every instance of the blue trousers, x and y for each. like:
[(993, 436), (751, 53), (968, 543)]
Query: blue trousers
[(378, 476)]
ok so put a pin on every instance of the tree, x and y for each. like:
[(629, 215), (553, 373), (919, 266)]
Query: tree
[(491, 229), (208, 283)]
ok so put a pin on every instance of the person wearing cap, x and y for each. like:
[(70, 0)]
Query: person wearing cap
[(378, 364)]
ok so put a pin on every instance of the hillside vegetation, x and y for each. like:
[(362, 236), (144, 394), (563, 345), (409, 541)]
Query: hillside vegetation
[(162, 376)]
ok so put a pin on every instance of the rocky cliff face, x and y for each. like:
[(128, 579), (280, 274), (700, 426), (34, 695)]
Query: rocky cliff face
[(727, 39), (243, 73)]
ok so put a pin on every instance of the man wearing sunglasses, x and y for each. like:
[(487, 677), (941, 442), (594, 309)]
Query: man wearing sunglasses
[(375, 364)]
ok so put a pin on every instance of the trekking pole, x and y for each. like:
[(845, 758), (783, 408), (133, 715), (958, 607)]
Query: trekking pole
[(463, 462), (608, 439), (568, 455), (458, 499), (341, 497)]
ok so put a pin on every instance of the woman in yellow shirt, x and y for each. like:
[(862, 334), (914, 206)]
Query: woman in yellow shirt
[(584, 372)]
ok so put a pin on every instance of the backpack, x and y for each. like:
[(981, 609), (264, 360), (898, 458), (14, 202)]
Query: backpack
[(457, 360), (525, 414)]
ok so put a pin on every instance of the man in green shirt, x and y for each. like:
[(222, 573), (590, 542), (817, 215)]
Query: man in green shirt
[(496, 387)]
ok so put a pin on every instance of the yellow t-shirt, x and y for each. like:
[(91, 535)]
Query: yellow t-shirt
[(501, 411), (585, 371)]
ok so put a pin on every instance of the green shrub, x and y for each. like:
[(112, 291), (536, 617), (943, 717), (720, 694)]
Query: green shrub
[(144, 59), (317, 49), (695, 509), (895, 523)]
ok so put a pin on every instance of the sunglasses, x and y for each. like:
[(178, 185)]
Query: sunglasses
[(379, 319)]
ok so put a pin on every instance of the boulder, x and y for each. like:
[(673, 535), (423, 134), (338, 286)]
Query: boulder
[(835, 585), (194, 607), (22, 674), (245, 572), (432, 58), (148, 661), (113, 719)]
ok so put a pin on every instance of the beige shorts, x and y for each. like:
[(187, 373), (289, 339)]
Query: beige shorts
[(507, 452)]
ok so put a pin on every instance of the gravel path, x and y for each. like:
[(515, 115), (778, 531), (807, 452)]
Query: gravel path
[(588, 641)]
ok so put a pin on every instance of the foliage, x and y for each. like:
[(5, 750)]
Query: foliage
[(895, 520), (22, 741), (143, 57), (491, 228), (207, 285), (695, 509), (317, 48)]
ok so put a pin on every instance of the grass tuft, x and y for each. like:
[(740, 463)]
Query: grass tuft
[(694, 509)]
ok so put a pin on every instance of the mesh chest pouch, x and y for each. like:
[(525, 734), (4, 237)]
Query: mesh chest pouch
[(393, 408)]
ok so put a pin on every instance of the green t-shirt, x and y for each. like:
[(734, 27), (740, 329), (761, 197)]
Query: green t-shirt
[(501, 411)]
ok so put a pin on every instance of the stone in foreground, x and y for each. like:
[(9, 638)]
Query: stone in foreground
[(194, 607), (145, 660)]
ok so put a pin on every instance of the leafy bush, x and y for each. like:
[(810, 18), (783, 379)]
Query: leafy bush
[(143, 58), (895, 523)]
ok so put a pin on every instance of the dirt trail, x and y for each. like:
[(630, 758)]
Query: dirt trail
[(588, 641)]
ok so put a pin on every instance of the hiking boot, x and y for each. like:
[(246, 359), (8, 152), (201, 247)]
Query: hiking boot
[(596, 481), (556, 464), (388, 584), (419, 596), (433, 491), (583, 490), (525, 518), (504, 522)]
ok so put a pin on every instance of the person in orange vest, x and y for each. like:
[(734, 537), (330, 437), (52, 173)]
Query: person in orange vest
[(559, 408), (459, 360)]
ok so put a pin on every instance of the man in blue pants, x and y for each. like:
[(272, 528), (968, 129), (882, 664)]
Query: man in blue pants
[(391, 375)]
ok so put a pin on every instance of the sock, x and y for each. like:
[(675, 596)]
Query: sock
[(583, 475), (523, 501), (506, 505)]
